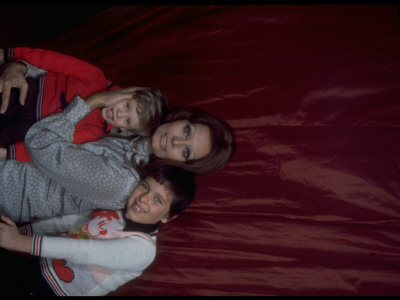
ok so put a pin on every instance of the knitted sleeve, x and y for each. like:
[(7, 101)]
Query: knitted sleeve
[(55, 62), (128, 253)]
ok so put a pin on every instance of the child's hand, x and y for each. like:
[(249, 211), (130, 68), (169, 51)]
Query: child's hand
[(110, 98), (1, 56), (3, 153), (11, 238), (13, 76)]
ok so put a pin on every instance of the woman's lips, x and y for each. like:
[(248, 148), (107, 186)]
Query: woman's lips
[(163, 142)]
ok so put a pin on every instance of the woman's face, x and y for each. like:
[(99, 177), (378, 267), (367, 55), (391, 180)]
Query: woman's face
[(181, 140)]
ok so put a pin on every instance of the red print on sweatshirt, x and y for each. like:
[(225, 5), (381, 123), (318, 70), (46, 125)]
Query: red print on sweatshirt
[(97, 227), (63, 272)]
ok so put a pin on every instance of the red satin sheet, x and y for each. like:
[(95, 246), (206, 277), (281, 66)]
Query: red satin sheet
[(310, 203)]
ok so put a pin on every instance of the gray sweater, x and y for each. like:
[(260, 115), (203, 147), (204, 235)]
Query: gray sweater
[(65, 177)]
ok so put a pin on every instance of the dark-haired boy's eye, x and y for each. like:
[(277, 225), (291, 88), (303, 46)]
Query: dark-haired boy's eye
[(145, 186)]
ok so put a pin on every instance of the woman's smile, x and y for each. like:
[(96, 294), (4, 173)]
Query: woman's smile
[(163, 142)]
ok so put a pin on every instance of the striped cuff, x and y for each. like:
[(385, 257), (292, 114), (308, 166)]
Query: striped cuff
[(110, 84), (28, 229), (8, 55), (36, 244), (11, 152)]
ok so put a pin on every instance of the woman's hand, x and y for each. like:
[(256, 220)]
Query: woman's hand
[(11, 238), (13, 76), (110, 98), (1, 56)]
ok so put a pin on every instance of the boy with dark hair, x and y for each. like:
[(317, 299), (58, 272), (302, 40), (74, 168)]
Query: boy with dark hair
[(96, 251)]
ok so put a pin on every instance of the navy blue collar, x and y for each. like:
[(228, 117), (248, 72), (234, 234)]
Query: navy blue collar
[(133, 226)]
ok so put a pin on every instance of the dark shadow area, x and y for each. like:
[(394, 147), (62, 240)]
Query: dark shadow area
[(27, 24)]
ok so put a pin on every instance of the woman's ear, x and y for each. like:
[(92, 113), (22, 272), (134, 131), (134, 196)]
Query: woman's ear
[(166, 220)]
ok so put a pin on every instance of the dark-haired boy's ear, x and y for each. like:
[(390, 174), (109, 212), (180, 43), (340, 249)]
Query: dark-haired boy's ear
[(166, 220)]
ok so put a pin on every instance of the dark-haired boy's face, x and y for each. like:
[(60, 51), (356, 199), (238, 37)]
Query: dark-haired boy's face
[(149, 202)]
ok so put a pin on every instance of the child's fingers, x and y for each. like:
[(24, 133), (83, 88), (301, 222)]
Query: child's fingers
[(118, 96), (23, 94), (7, 220), (128, 89), (5, 99)]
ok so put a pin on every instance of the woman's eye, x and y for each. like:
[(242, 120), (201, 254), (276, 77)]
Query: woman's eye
[(186, 131), (158, 200), (186, 153)]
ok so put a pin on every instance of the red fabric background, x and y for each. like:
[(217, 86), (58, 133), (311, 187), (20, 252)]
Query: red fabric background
[(310, 203)]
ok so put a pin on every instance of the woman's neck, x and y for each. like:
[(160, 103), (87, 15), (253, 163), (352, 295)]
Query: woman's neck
[(149, 144)]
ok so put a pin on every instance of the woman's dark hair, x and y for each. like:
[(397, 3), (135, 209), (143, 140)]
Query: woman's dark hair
[(179, 181), (222, 140)]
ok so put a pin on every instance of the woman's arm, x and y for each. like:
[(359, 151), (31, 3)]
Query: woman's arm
[(3, 153), (94, 170)]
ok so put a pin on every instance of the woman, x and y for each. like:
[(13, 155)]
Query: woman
[(67, 178)]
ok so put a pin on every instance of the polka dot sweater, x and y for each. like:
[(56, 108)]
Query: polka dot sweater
[(65, 177)]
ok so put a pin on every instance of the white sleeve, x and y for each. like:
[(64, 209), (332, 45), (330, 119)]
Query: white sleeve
[(133, 252)]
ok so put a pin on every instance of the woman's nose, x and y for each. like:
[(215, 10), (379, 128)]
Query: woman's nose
[(176, 141)]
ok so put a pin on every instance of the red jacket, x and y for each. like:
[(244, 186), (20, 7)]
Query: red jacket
[(66, 77)]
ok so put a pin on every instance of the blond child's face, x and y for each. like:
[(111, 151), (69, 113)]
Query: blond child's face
[(149, 202), (124, 115)]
